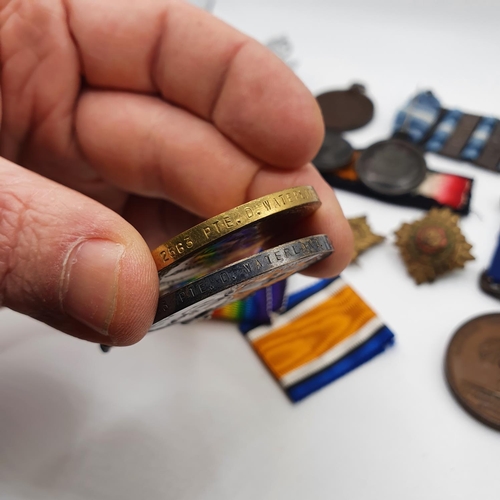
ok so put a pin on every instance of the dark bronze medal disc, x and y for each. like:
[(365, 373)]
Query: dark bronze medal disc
[(236, 281), (391, 167), (472, 368), (335, 152), (346, 109)]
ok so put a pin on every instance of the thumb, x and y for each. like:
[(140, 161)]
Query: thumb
[(71, 262)]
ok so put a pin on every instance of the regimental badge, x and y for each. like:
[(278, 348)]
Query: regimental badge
[(433, 245), (364, 238)]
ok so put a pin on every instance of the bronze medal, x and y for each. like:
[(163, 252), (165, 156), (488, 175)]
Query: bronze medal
[(433, 245), (472, 368), (231, 235), (345, 110)]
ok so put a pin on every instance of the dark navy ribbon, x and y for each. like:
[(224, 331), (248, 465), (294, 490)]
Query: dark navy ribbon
[(493, 271)]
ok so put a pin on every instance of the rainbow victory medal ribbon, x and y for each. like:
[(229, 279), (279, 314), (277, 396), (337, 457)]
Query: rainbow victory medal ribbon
[(254, 310), (323, 332)]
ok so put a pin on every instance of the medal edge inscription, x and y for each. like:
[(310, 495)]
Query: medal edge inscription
[(194, 239), (239, 272)]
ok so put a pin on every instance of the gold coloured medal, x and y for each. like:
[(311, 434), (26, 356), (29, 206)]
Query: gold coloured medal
[(231, 235)]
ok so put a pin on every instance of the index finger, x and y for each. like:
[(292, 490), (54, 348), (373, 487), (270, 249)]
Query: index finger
[(199, 63)]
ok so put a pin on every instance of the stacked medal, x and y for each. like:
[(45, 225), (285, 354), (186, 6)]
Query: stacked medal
[(222, 259)]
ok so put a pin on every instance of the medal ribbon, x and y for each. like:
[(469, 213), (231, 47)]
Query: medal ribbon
[(493, 271), (436, 190), (452, 133), (322, 333)]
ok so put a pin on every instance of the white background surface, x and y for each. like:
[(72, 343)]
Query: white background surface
[(191, 414)]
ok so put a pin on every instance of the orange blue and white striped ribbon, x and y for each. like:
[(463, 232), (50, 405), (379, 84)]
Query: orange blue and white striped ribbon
[(325, 331)]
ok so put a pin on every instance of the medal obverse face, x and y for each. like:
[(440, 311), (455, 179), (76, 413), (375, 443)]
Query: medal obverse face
[(391, 167), (236, 281), (472, 368), (345, 110)]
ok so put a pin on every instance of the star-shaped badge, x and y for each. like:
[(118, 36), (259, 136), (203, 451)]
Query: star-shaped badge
[(364, 238), (433, 245)]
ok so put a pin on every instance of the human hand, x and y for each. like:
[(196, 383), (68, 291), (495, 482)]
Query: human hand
[(132, 120)]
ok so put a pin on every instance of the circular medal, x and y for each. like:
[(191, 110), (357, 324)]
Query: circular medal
[(346, 109), (335, 152), (236, 281), (231, 236), (472, 368), (391, 167)]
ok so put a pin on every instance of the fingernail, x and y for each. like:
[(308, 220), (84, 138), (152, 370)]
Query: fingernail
[(90, 280)]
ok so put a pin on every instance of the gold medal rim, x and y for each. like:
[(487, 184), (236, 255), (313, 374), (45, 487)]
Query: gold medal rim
[(168, 253)]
